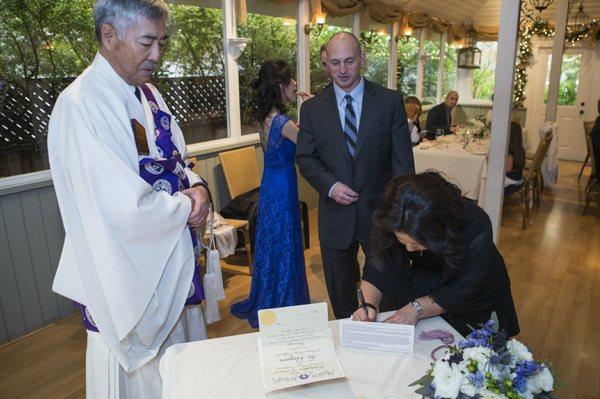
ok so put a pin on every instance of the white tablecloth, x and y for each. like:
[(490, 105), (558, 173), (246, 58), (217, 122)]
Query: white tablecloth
[(467, 168), (229, 368)]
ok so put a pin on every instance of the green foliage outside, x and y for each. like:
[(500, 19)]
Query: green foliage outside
[(432, 63), (483, 78), (377, 49), (55, 39), (408, 53), (449, 70), (569, 79), (44, 39)]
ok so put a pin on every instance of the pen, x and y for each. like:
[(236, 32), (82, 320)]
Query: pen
[(361, 302)]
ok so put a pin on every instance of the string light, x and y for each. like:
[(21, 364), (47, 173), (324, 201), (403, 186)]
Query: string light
[(524, 57)]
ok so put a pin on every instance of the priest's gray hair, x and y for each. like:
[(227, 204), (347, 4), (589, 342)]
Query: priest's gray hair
[(123, 14)]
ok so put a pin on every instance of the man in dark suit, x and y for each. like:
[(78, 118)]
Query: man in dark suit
[(440, 117), (353, 139)]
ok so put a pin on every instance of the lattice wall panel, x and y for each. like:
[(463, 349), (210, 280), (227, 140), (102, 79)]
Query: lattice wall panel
[(24, 119)]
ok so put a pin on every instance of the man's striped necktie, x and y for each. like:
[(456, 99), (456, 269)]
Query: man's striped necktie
[(350, 130)]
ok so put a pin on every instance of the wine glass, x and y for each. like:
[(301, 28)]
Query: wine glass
[(439, 133)]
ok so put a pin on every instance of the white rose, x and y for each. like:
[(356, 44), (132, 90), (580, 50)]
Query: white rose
[(479, 354), (542, 382), (518, 350), (447, 380), (468, 389)]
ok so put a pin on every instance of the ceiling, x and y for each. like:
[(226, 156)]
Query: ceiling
[(481, 12)]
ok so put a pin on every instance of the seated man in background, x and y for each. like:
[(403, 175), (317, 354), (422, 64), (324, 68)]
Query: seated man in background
[(440, 117)]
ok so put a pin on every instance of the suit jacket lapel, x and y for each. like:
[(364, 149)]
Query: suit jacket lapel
[(368, 104), (333, 119)]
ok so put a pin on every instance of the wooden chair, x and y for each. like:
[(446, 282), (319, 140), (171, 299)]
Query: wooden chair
[(241, 175), (240, 168), (531, 177), (587, 128), (593, 185)]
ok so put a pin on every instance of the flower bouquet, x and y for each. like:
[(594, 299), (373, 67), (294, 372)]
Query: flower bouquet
[(476, 126), (487, 366)]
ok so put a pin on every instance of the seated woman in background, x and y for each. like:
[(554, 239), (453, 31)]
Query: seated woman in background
[(433, 254), (412, 105), (515, 160)]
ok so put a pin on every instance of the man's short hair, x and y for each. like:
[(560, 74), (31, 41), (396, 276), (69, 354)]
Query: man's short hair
[(123, 14), (323, 48)]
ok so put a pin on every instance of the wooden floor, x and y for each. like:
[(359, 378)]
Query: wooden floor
[(554, 266)]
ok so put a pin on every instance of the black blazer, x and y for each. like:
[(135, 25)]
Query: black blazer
[(383, 150), (468, 294), (438, 118)]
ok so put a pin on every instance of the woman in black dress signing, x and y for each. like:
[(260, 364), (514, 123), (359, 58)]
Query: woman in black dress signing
[(433, 254)]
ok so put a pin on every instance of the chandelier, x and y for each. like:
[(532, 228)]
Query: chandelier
[(541, 5), (579, 20)]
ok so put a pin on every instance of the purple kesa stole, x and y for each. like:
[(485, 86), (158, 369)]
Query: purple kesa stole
[(165, 173)]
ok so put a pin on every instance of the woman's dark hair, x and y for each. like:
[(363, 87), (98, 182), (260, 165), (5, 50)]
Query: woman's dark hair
[(267, 90), (426, 207), (515, 146)]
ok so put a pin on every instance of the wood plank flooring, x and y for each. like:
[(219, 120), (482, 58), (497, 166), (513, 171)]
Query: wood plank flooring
[(554, 267)]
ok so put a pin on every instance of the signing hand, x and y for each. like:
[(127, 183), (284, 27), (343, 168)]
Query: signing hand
[(200, 203), (405, 315), (360, 315), (342, 194)]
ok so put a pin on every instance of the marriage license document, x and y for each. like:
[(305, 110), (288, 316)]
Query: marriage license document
[(296, 346)]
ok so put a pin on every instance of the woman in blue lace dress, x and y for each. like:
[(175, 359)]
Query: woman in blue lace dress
[(279, 276)]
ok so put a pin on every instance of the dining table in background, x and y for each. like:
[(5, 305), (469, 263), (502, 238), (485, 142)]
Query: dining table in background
[(463, 165)]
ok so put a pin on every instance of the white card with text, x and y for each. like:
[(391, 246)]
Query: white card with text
[(377, 336)]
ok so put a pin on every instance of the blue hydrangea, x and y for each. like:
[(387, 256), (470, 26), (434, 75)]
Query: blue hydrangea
[(477, 379), (523, 370)]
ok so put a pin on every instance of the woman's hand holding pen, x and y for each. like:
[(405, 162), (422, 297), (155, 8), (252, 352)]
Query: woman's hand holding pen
[(361, 315), (365, 311)]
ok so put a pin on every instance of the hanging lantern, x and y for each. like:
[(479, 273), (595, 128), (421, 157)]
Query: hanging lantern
[(541, 5), (579, 20), (469, 57)]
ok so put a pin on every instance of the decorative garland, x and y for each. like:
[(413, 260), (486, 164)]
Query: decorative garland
[(525, 56)]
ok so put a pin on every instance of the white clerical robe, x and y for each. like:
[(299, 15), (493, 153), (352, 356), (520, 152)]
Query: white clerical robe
[(128, 254)]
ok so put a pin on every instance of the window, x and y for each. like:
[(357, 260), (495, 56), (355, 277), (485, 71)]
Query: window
[(377, 48), (408, 53), (62, 44), (432, 63), (449, 82), (191, 78), (271, 38), (483, 78), (569, 79)]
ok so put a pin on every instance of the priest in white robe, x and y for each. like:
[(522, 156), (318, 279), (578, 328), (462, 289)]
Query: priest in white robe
[(128, 256)]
